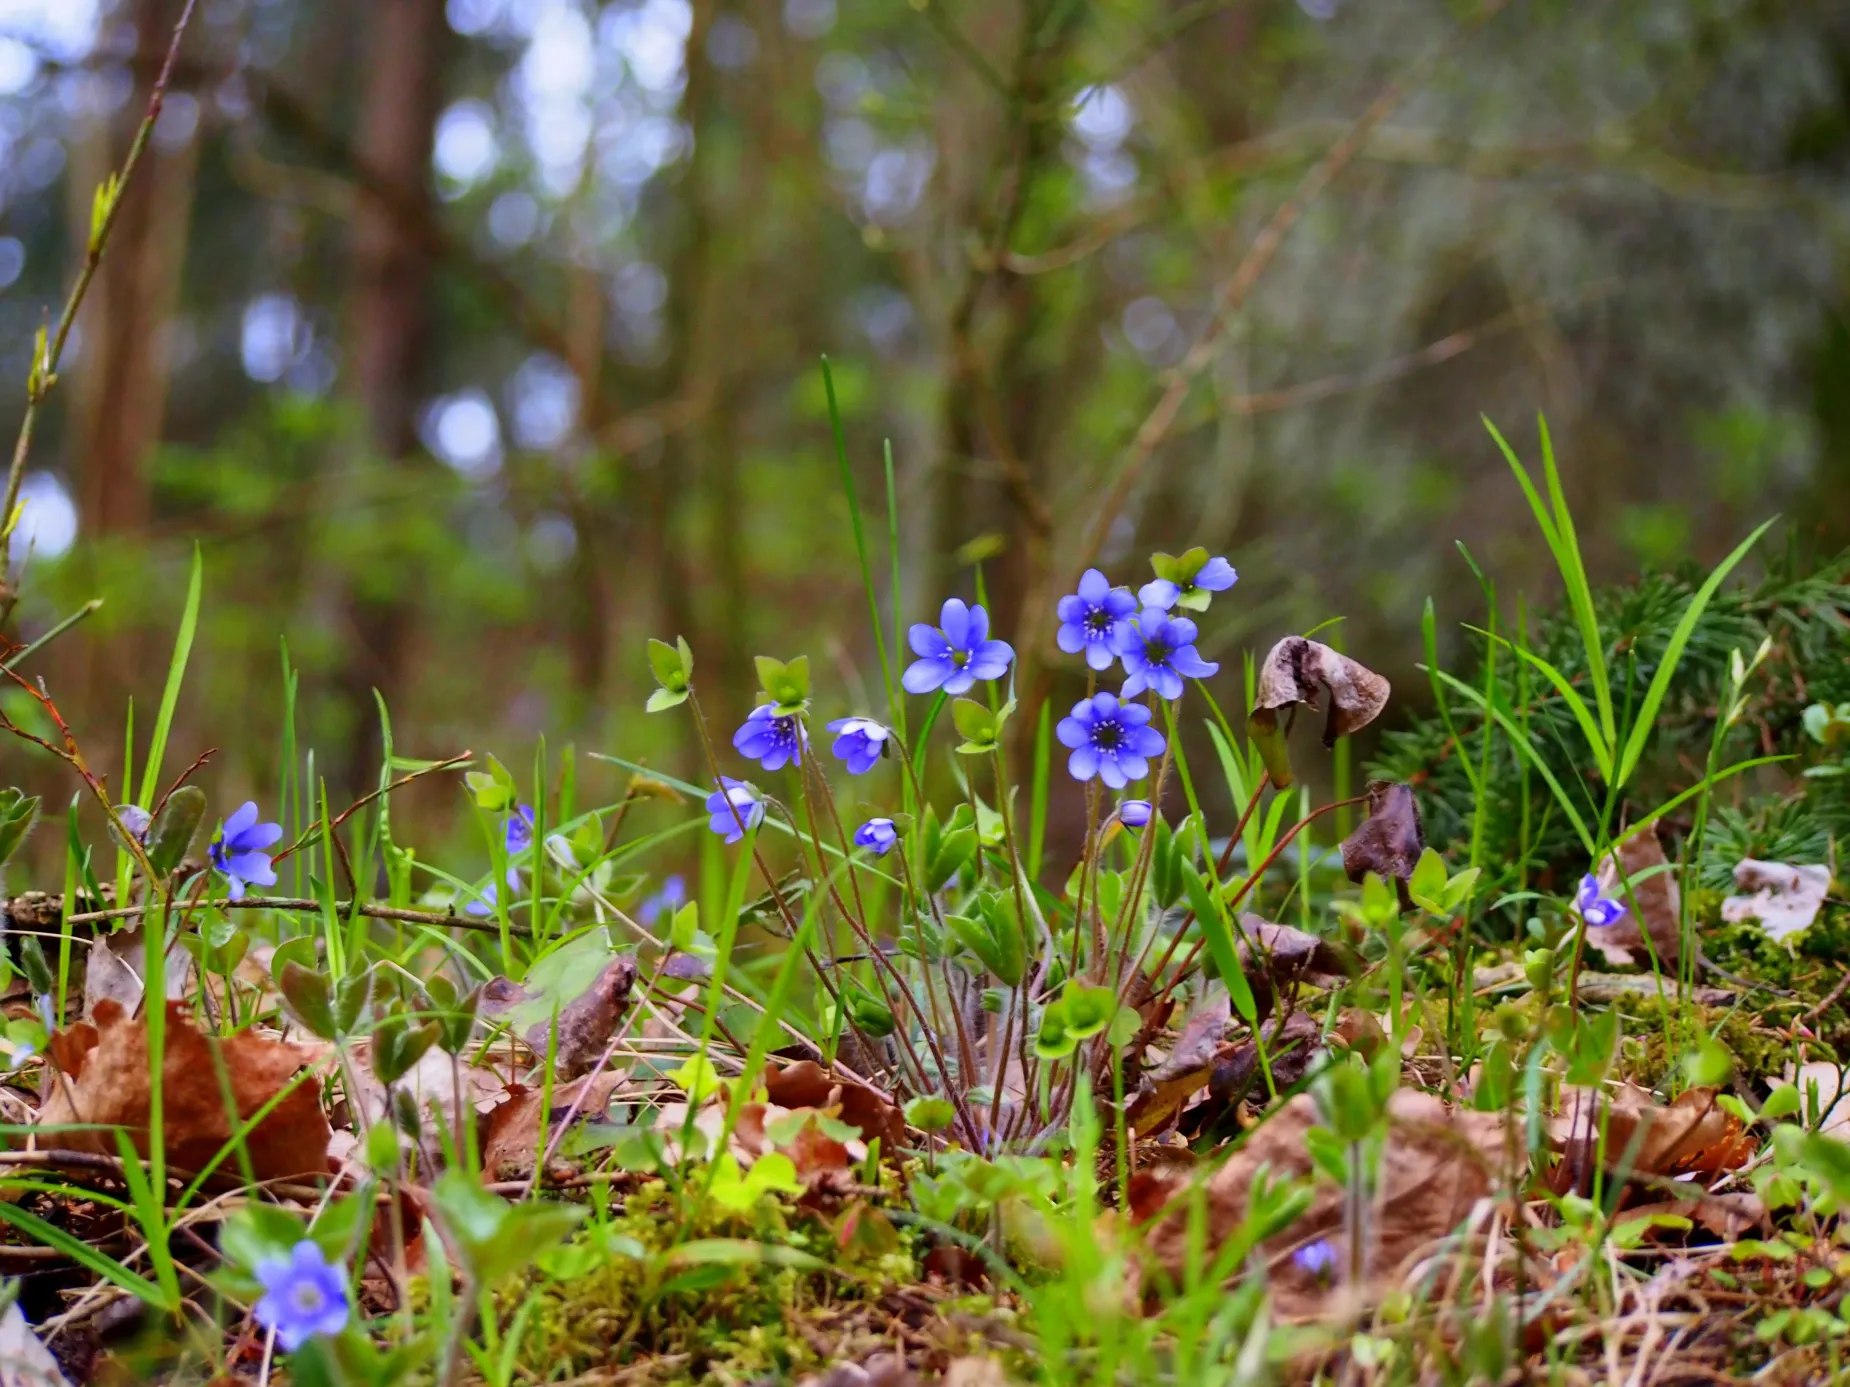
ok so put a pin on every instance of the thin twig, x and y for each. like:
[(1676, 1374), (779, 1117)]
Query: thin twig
[(44, 373)]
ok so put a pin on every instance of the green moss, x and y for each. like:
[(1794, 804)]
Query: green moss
[(718, 1321)]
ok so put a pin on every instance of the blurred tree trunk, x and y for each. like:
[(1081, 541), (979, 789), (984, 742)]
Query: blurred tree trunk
[(120, 398), (119, 393), (397, 123)]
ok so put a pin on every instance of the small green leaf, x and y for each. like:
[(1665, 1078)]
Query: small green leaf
[(663, 699), (1708, 1066), (1125, 1026), (684, 926), (398, 1045), (1427, 885), (1089, 1010), (697, 1077), (493, 1237), (1781, 1102), (786, 684), (310, 999), (1054, 1041), (930, 1113), (350, 999), (672, 666)]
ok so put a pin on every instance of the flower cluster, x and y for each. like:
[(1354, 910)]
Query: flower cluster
[(1109, 737)]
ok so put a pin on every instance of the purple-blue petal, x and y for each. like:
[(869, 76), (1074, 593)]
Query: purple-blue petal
[(954, 621), (1083, 763)]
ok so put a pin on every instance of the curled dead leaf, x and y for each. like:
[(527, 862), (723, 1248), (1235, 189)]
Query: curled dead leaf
[(1435, 1167), (587, 1023), (1389, 841), (1299, 671), (99, 1075)]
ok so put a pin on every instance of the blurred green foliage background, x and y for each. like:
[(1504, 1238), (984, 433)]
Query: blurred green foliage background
[(476, 340)]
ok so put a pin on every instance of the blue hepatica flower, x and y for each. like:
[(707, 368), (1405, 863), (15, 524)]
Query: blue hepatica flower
[(1134, 813), (1090, 618), (1159, 652), (302, 1296), (486, 905), (1216, 575), (519, 835), (861, 742), (669, 899), (734, 807), (1594, 906), (877, 835), (956, 653), (1318, 1259), (771, 741), (1110, 740), (239, 853)]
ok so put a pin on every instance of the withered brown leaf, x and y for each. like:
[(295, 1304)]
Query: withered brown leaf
[(1299, 671), (99, 1075), (1389, 841)]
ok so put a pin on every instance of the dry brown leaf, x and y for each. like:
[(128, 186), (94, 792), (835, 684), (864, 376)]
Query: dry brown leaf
[(975, 1372), (588, 1021), (100, 1075), (1645, 1137), (1200, 1039), (1291, 1049), (1436, 1165), (1389, 841), (1784, 897), (511, 1136), (806, 1085), (881, 1370), (1299, 671), (441, 1088), (1275, 957), (1659, 903)]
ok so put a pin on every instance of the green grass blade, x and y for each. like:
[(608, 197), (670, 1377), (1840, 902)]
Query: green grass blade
[(1673, 654), (860, 536), (1563, 545), (79, 1251), (1589, 726), (170, 696), (1520, 740), (1037, 805)]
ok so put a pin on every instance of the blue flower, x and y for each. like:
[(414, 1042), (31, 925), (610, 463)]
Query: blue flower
[(1594, 906), (136, 820), (1159, 651), (520, 830), (861, 742), (1215, 575), (734, 807), (879, 835), (1110, 740), (485, 907), (670, 898), (1318, 1259), (771, 741), (1090, 618), (955, 653), (1134, 813), (239, 853), (303, 1296)]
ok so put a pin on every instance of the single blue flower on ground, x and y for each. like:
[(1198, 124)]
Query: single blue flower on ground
[(956, 653), (239, 853), (771, 741), (1090, 618), (485, 907), (734, 807), (860, 742), (1110, 740), (1159, 652), (519, 835), (303, 1296), (878, 835), (1595, 906)]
